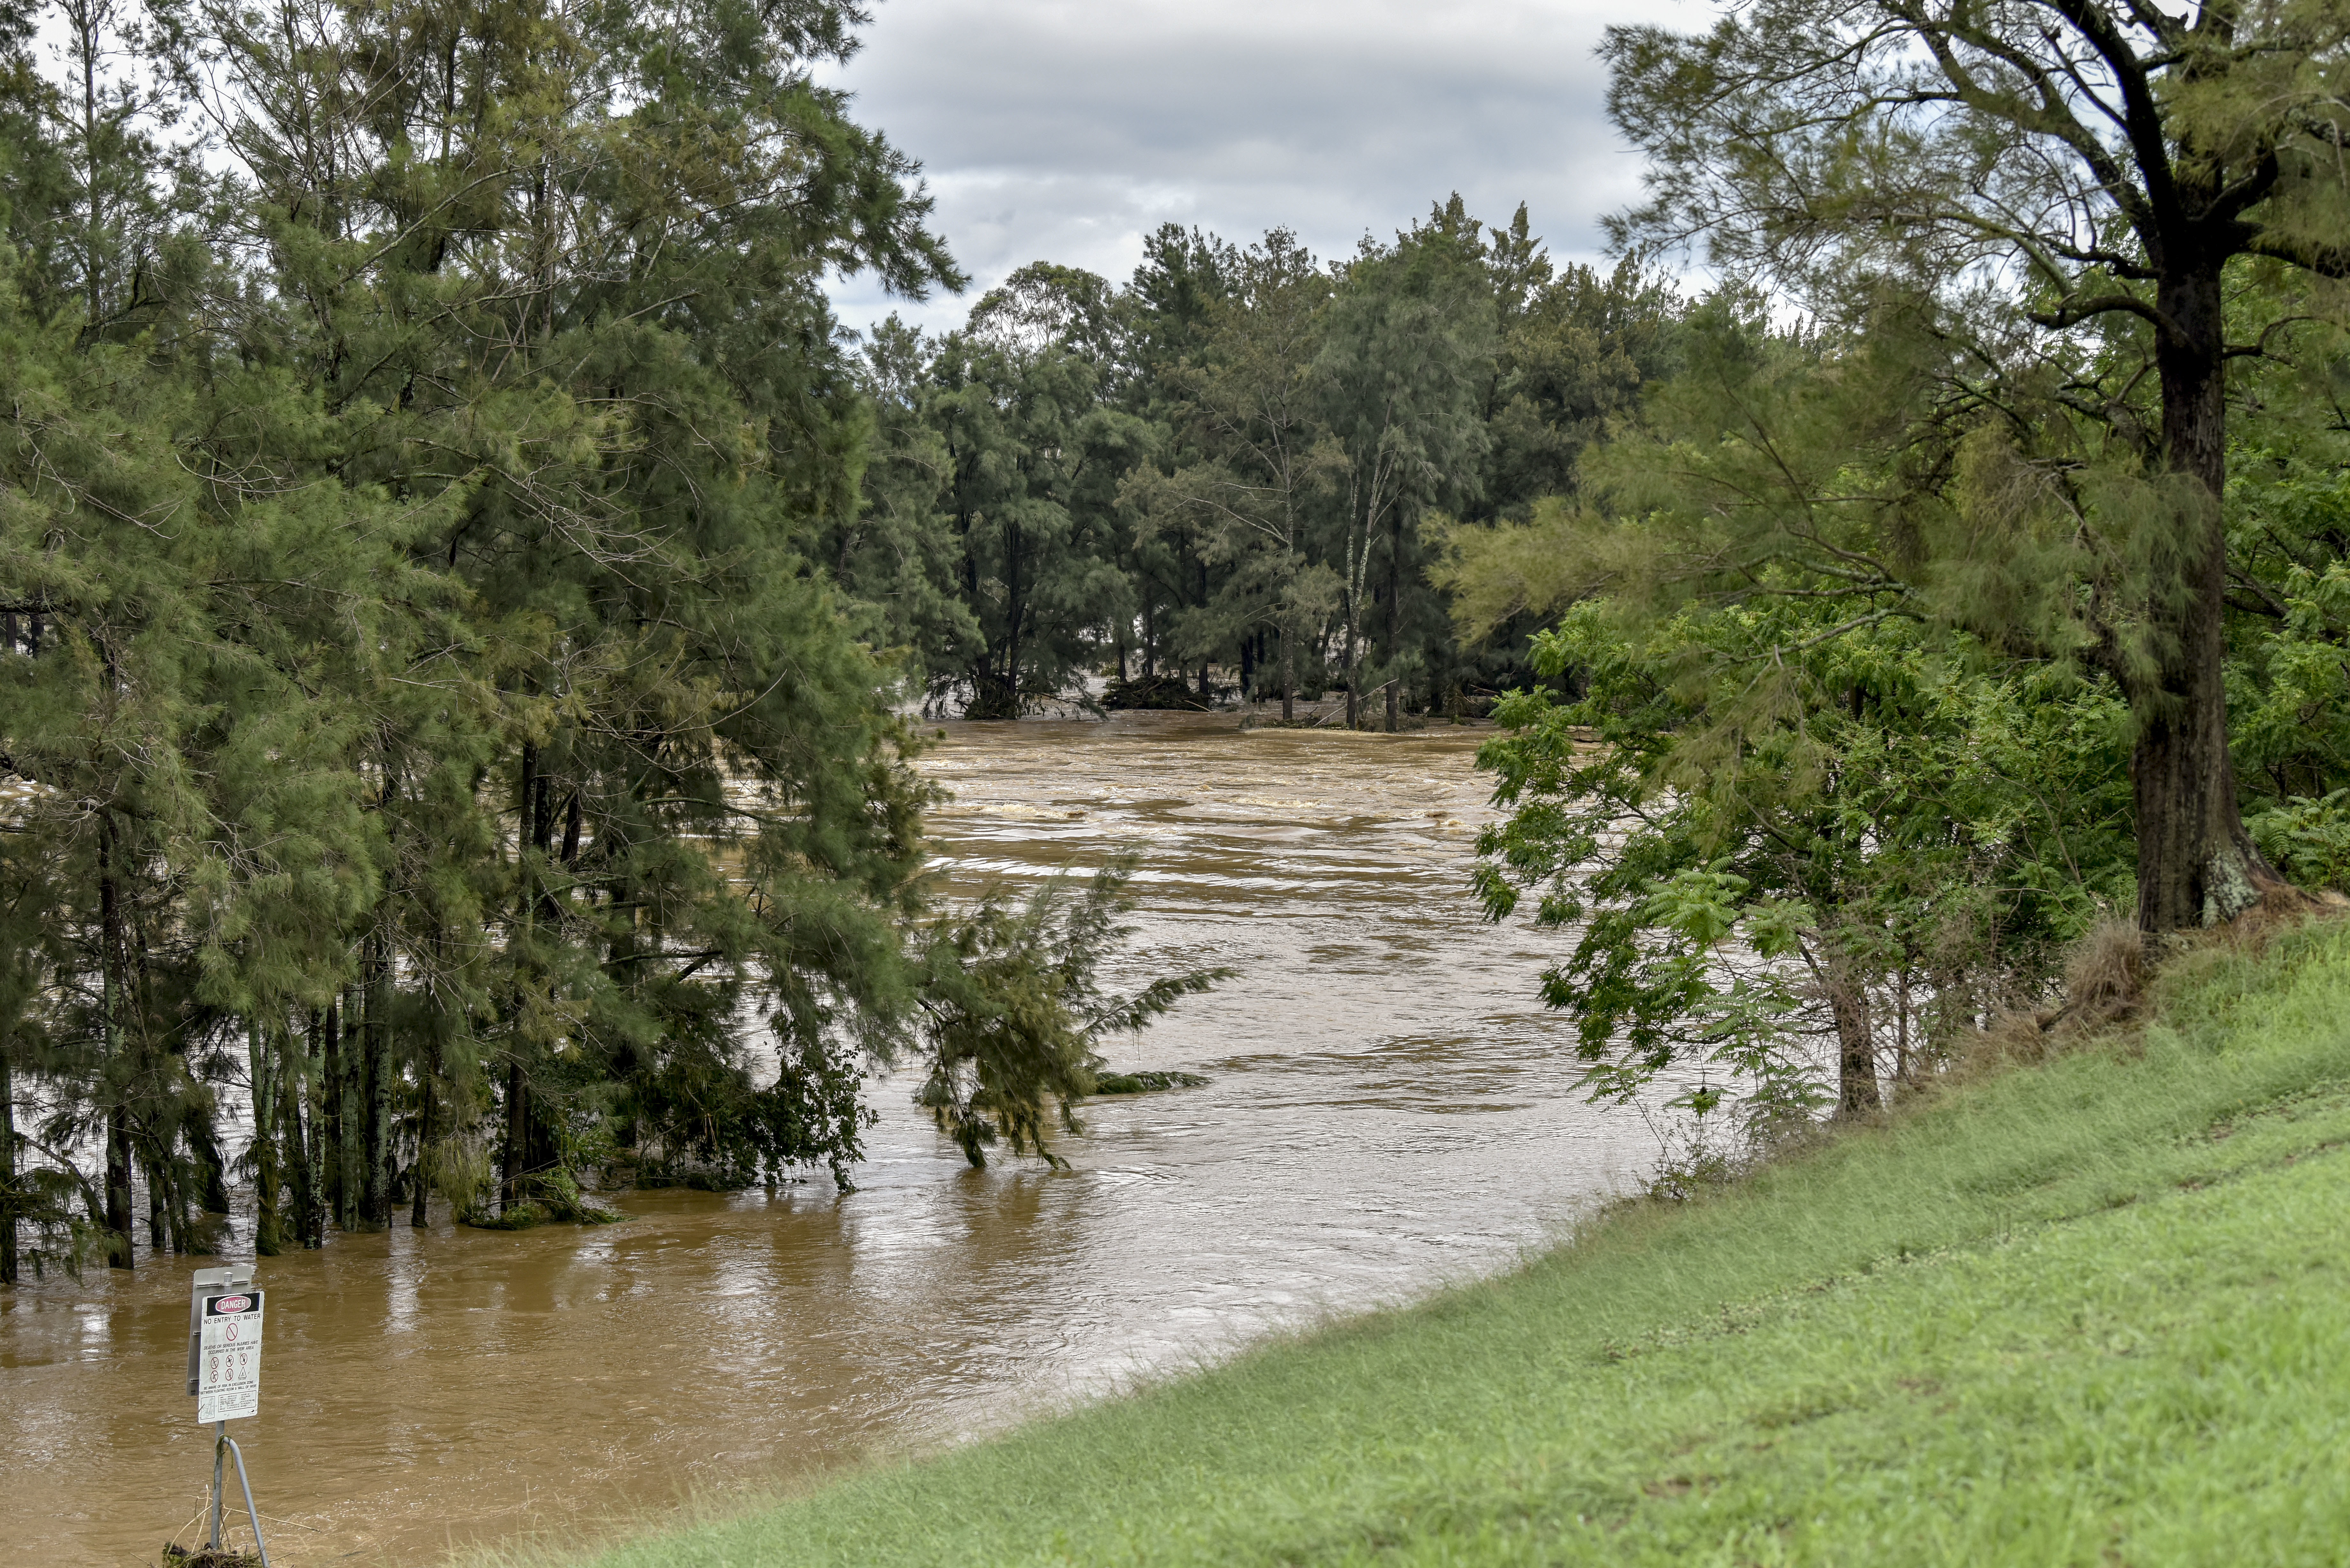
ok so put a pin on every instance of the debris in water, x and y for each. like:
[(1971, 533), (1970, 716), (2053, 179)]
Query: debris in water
[(1144, 1083), (178, 1556)]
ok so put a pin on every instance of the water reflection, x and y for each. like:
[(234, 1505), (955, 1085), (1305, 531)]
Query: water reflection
[(1387, 1111)]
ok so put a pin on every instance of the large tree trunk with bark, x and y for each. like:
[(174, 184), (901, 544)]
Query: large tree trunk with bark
[(418, 1186), (335, 1129), (155, 1242), (2195, 863), (1858, 1093), (1347, 657), (1288, 675), (1395, 621), (203, 1147)]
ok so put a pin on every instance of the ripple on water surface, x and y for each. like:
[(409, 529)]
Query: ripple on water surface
[(1387, 1110)]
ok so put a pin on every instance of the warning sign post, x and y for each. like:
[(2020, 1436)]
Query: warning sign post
[(225, 1320), (228, 1387)]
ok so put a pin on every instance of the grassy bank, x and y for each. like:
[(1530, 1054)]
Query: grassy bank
[(2093, 1311)]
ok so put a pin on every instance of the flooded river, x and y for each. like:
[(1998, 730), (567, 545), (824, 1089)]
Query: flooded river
[(1389, 1110)]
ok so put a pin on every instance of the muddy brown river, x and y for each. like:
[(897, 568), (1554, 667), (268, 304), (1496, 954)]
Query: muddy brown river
[(1389, 1110)]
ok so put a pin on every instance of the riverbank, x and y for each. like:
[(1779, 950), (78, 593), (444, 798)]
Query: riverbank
[(2093, 1310)]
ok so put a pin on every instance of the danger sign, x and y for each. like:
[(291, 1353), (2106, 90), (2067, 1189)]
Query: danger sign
[(228, 1374)]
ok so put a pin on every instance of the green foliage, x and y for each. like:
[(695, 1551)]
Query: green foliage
[(1249, 490), (1407, 347), (1237, 459), (424, 524), (2070, 203), (457, 583), (1145, 1083), (2308, 840), (1015, 1010), (2288, 524), (1033, 456), (1790, 803)]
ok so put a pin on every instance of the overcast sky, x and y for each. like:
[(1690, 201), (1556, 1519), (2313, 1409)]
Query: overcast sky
[(1066, 129)]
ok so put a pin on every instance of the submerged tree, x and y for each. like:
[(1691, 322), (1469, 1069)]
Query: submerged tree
[(1015, 1011), (425, 692)]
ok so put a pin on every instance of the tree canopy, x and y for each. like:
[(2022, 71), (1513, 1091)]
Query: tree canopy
[(2070, 181), (1905, 619)]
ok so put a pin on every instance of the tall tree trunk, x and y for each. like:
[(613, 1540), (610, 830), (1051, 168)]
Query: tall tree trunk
[(424, 1109), (1207, 692), (299, 1123), (118, 1115), (204, 1145), (517, 1148), (83, 19), (573, 824), (2195, 863), (336, 1194), (1394, 624), (156, 1194), (1857, 1088), (526, 799), (352, 1022), (1288, 676), (1015, 615), (542, 1155), (375, 1143), (268, 1225), (7, 1164), (1347, 658)]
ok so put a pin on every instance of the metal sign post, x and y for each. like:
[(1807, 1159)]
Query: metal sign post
[(225, 1323)]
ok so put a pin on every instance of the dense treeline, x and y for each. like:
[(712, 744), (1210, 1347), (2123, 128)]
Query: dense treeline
[(1233, 475), (429, 704)]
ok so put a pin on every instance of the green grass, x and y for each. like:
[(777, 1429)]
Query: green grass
[(2095, 1310)]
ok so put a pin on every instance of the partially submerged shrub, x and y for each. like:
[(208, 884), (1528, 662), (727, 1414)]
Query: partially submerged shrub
[(458, 1168), (559, 1193), (1698, 1154), (1144, 1083)]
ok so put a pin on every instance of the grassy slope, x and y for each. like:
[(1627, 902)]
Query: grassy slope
[(2090, 1311)]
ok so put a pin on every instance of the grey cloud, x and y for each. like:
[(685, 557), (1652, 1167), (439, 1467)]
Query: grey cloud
[(1068, 132)]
